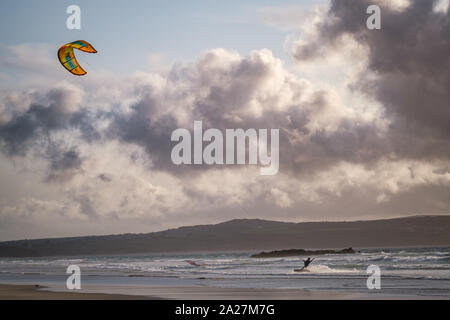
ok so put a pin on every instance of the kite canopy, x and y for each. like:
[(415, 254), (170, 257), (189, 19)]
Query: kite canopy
[(67, 57)]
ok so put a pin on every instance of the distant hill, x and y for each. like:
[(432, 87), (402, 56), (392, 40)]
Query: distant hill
[(300, 252), (247, 234)]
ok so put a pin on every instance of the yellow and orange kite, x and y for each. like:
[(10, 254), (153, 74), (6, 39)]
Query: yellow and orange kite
[(67, 57)]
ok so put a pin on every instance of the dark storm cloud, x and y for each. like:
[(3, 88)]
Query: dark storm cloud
[(39, 121), (67, 160), (33, 129), (408, 70), (62, 164), (144, 128)]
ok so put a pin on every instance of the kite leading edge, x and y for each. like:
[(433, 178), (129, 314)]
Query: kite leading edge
[(67, 57)]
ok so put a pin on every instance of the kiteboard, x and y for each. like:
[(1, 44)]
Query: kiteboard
[(193, 263)]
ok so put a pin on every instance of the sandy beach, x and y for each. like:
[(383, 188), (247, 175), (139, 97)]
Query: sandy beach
[(32, 292)]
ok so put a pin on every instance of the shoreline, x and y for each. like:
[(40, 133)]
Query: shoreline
[(92, 292), (38, 292)]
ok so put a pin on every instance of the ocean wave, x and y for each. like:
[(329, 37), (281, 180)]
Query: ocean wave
[(320, 268), (444, 259)]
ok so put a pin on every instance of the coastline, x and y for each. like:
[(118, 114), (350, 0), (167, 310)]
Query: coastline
[(232, 276)]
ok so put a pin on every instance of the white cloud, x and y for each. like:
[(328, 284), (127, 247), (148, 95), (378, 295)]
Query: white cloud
[(441, 6)]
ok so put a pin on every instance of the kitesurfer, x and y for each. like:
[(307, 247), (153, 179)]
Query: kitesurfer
[(307, 262)]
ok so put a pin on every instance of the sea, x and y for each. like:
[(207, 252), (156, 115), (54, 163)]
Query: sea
[(404, 272)]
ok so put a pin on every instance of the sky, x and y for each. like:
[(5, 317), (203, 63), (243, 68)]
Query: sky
[(176, 30), (363, 114)]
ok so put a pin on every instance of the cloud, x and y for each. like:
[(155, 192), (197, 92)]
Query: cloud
[(226, 90), (441, 6), (406, 71), (63, 164), (28, 57), (363, 122), (39, 123)]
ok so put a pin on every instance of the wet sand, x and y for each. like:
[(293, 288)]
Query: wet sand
[(31, 292)]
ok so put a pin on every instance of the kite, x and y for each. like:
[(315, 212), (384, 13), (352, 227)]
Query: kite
[(67, 57)]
